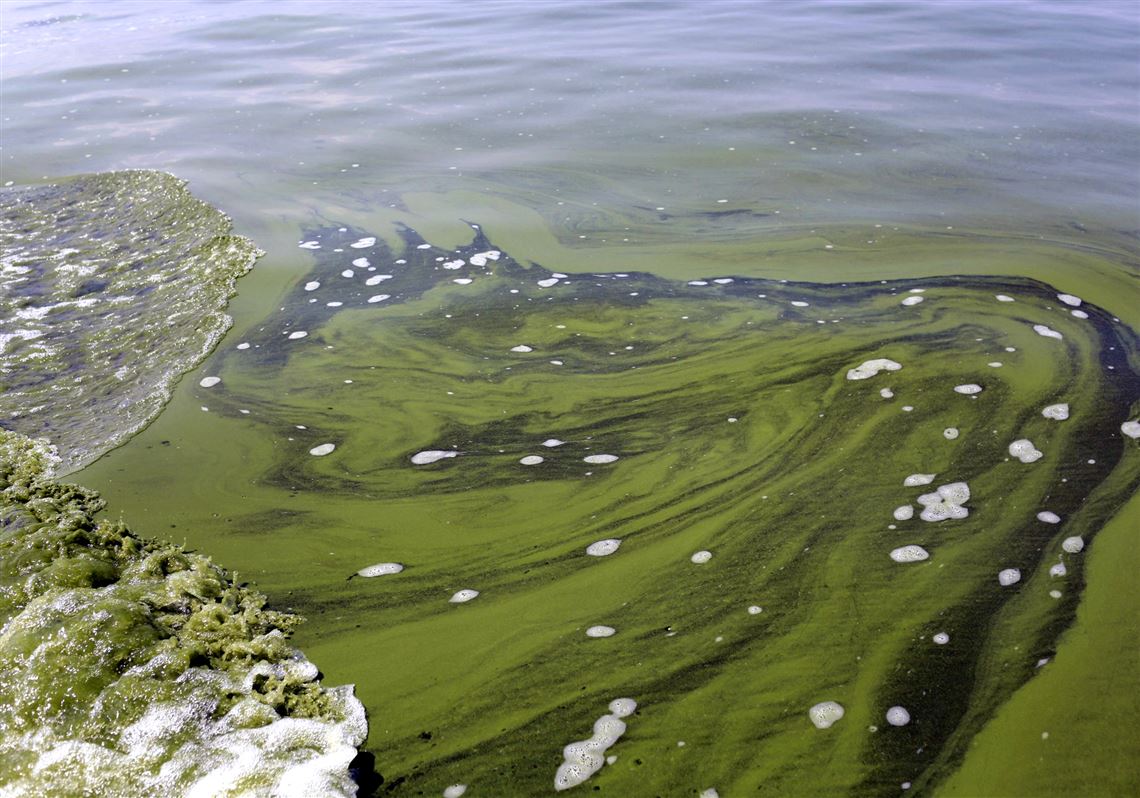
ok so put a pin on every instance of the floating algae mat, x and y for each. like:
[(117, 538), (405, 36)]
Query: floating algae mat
[(111, 286), (769, 515), (131, 667)]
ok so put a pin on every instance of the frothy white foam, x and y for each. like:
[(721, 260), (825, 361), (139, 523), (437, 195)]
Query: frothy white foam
[(1058, 570), (463, 596), (825, 713), (380, 569), (911, 300), (1024, 450), (548, 282), (550, 443), (950, 433), (918, 479), (455, 791), (1009, 576), (361, 263), (603, 548), (584, 758), (372, 300), (1070, 300), (296, 336), (531, 459), (1048, 517), (904, 513), (209, 382), (898, 716), (1003, 298), (376, 279), (701, 557), (910, 553), (601, 631), (310, 245), (968, 389), (363, 243), (1074, 544), (1131, 429), (522, 348), (322, 450), (1058, 412), (312, 285), (599, 459), (431, 456), (755, 609), (1047, 332), (869, 368), (886, 393), (941, 638)]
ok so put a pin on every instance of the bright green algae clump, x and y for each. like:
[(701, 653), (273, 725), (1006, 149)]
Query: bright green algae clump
[(111, 286), (736, 430), (131, 667)]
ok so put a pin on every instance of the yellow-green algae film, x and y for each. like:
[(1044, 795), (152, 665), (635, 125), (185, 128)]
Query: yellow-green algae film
[(111, 286), (763, 451), (134, 667)]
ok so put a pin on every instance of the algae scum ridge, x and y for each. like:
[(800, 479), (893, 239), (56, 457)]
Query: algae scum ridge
[(727, 500)]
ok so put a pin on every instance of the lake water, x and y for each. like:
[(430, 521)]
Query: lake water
[(702, 216)]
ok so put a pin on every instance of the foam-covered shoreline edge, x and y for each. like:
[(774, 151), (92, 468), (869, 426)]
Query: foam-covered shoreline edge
[(112, 286), (131, 666)]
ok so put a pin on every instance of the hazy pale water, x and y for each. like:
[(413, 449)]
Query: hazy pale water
[(830, 143)]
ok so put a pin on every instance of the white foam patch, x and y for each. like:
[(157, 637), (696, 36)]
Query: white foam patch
[(376, 279), (455, 791), (531, 459), (584, 758), (600, 459), (1070, 300), (1131, 428), (950, 433), (242, 345), (918, 479), (522, 348), (709, 793), (697, 282), (463, 281), (452, 265), (1074, 544), (1058, 570), (481, 258), (463, 596), (869, 368), (1079, 314), (297, 336), (312, 285), (941, 638), (369, 241), (372, 300), (1048, 517), (601, 631), (898, 716), (723, 280), (209, 382), (1024, 450), (550, 443), (431, 456), (1047, 332), (348, 273), (361, 263), (603, 548), (824, 714), (310, 245), (912, 300), (946, 503), (886, 393), (1003, 298), (548, 282), (968, 389), (322, 450), (904, 512), (755, 609), (1009, 576), (380, 569), (701, 557), (911, 553), (1058, 412)]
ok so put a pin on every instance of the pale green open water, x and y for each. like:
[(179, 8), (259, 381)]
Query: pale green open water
[(845, 155)]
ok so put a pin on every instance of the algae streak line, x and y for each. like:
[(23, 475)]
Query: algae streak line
[(111, 286), (130, 667)]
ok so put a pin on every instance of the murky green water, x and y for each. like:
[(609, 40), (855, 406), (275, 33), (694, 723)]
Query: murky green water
[(855, 151)]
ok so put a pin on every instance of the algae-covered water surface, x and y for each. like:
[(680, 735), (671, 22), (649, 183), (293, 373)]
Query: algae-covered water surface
[(651, 400)]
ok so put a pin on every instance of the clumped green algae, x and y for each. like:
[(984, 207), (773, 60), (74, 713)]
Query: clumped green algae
[(111, 286), (737, 432), (129, 666)]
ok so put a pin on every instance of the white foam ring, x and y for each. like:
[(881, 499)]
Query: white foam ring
[(584, 758)]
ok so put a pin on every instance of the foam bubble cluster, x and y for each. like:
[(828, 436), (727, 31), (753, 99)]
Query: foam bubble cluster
[(600, 459), (1131, 428), (380, 569), (603, 548), (969, 389), (1074, 544), (904, 512), (1047, 332), (1058, 412), (910, 553), (869, 368), (463, 596), (825, 713), (898, 716), (918, 479), (1024, 450), (432, 456), (601, 631), (701, 557), (1009, 576), (584, 758), (945, 503)]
